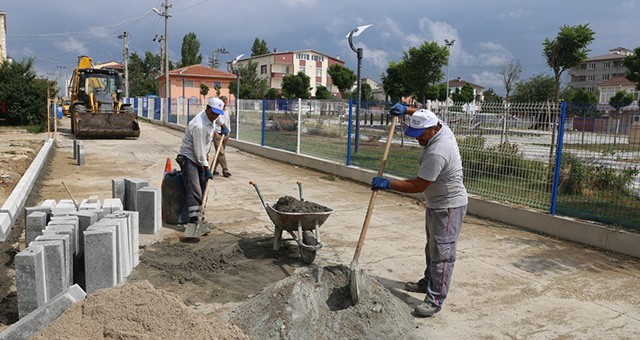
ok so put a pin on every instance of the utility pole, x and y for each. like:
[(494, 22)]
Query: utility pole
[(125, 36), (159, 39), (215, 62), (166, 16)]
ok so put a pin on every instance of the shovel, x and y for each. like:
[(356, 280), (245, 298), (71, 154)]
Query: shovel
[(354, 274), (199, 229)]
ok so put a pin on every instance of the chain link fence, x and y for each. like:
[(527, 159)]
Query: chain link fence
[(570, 160)]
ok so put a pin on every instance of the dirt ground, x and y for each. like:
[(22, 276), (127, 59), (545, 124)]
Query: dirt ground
[(508, 283)]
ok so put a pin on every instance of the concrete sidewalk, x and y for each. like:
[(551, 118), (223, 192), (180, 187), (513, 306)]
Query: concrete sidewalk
[(508, 282)]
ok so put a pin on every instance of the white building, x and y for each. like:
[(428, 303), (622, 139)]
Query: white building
[(277, 65), (3, 36)]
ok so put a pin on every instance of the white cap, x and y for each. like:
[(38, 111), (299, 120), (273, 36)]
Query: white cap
[(216, 105), (420, 120)]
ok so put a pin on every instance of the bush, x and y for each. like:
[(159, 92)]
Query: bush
[(577, 177)]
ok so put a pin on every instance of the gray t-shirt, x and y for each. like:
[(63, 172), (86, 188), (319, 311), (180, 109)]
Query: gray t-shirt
[(441, 164)]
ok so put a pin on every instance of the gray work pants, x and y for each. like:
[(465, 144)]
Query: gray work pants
[(194, 184), (443, 227)]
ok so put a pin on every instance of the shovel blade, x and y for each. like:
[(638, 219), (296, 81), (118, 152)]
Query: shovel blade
[(354, 283)]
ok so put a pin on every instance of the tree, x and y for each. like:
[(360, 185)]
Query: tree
[(365, 92), (23, 94), (259, 48), (632, 63), (296, 86), (322, 92), (464, 95), (422, 67), (490, 96), (204, 91), (271, 94), (342, 77), (143, 73), (580, 102), (538, 88), (620, 100), (190, 51), (393, 83), (567, 50), (510, 72), (251, 85)]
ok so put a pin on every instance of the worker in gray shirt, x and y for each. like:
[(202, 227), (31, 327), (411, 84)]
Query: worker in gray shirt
[(193, 155), (440, 179)]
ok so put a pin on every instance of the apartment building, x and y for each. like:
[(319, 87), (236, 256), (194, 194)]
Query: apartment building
[(277, 65), (3, 36), (596, 70), (457, 85)]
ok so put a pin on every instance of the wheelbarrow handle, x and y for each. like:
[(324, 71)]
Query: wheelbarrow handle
[(300, 189), (255, 185)]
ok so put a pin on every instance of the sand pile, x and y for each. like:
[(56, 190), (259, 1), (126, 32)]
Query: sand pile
[(316, 304), (292, 204), (136, 311)]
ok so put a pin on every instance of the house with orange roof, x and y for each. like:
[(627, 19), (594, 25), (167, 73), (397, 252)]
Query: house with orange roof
[(185, 82)]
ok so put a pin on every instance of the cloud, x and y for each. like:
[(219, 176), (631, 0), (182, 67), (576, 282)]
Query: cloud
[(72, 45), (487, 80), (517, 14), (299, 3), (493, 54)]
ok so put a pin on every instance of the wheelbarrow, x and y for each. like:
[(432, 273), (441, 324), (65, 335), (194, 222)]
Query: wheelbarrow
[(304, 228)]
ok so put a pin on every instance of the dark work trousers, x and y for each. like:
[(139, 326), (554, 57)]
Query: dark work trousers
[(443, 227), (195, 185)]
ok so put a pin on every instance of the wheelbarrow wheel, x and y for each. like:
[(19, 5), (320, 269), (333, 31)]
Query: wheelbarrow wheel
[(309, 239)]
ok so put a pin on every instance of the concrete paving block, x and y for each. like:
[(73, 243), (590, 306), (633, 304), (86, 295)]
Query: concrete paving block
[(44, 315), (30, 280), (63, 211), (45, 209), (111, 205), (5, 226), (54, 264), (80, 154), (68, 255), (65, 203), (68, 220), (131, 187), (36, 221), (150, 209), (51, 203), (117, 189), (100, 257), (125, 263), (86, 218), (134, 237), (65, 228)]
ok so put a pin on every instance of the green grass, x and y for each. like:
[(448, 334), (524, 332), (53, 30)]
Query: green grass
[(606, 208)]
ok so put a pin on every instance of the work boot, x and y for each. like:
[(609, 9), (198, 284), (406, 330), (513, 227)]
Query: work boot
[(426, 309), (416, 287), (215, 172), (226, 173)]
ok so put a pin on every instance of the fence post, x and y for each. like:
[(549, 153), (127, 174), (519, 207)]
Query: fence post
[(349, 131), (299, 125), (556, 173), (264, 119), (238, 119)]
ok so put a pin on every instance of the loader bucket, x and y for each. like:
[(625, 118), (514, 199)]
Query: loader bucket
[(107, 124)]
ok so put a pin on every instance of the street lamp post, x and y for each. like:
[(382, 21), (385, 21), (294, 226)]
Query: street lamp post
[(166, 16), (125, 37), (448, 44), (237, 102), (354, 33)]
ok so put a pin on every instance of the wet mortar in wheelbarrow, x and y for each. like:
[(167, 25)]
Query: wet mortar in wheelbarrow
[(301, 219)]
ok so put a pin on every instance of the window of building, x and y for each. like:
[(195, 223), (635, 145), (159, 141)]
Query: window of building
[(263, 69), (592, 65), (605, 77), (317, 58), (302, 56), (591, 77), (303, 69), (583, 66), (285, 69), (606, 64), (318, 72), (188, 83), (217, 84)]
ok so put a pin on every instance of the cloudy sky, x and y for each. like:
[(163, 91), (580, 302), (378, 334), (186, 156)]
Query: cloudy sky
[(487, 33)]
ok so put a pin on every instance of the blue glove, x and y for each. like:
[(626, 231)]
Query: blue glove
[(207, 174), (380, 183), (224, 131), (398, 109)]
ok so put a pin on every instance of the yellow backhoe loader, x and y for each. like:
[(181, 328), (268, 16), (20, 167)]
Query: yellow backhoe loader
[(96, 104)]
